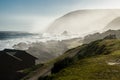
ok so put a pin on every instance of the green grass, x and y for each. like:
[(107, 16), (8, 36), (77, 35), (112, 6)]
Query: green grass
[(94, 64), (93, 68)]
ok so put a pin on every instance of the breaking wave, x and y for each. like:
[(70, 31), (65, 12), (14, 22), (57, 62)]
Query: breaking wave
[(9, 39)]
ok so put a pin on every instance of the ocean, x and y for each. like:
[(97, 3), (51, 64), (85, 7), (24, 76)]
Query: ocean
[(10, 38)]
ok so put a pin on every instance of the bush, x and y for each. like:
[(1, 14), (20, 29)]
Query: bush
[(62, 64)]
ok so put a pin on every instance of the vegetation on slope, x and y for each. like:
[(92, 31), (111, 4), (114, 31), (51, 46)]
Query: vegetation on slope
[(99, 60)]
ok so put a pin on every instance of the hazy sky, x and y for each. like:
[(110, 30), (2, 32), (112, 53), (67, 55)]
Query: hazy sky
[(36, 15)]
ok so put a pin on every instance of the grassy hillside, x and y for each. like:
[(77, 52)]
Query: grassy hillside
[(99, 60)]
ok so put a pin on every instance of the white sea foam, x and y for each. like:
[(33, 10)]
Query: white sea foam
[(9, 43)]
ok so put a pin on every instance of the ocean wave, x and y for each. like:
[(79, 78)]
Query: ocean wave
[(9, 41)]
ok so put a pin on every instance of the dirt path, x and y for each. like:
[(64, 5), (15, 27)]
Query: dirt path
[(43, 71)]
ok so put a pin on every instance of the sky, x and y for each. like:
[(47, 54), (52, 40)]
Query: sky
[(37, 15)]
